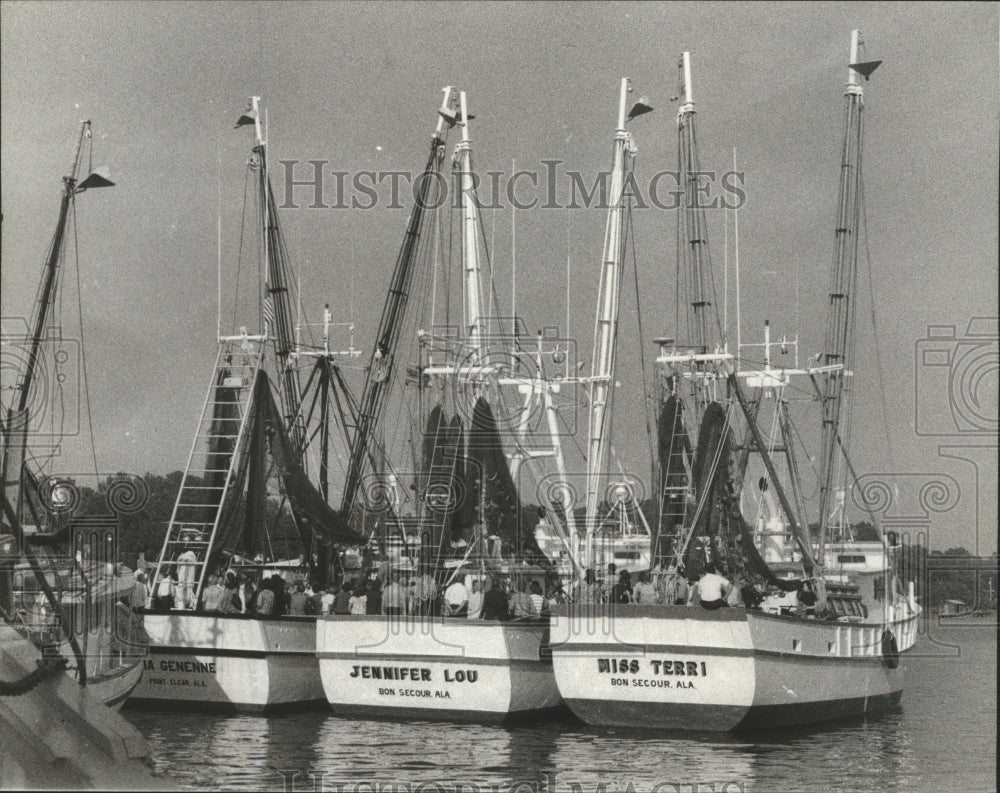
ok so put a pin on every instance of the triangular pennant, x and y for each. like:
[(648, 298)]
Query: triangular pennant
[(865, 69)]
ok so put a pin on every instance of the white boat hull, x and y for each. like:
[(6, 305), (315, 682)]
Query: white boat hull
[(435, 668), (114, 687), (687, 668), (229, 662)]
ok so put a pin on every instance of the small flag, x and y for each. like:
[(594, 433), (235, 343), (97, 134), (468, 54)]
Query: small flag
[(268, 311), (243, 120)]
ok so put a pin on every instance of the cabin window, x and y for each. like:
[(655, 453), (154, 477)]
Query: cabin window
[(847, 558), (796, 644), (879, 589), (830, 647)]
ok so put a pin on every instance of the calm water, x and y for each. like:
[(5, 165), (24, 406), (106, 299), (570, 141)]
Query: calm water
[(943, 738)]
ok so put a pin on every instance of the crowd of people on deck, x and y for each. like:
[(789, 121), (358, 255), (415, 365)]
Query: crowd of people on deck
[(388, 589)]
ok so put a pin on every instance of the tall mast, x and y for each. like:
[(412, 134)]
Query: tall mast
[(606, 325), (696, 238), (383, 356), (470, 233), (838, 341), (276, 306), (17, 420)]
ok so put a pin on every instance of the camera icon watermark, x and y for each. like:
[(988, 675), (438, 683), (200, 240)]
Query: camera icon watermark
[(53, 401), (956, 380)]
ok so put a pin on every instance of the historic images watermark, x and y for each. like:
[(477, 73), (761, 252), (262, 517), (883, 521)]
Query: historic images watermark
[(314, 184), (311, 781)]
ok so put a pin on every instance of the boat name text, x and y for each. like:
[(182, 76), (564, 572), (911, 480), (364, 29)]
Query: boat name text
[(415, 673), (620, 666)]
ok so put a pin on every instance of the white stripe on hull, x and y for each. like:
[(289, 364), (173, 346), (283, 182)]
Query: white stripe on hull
[(434, 668), (209, 661), (686, 668)]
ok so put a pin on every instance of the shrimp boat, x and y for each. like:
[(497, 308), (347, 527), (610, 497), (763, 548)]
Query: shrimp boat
[(56, 595), (459, 519), (779, 656), (251, 436)]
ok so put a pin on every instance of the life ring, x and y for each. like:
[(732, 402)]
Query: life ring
[(890, 650)]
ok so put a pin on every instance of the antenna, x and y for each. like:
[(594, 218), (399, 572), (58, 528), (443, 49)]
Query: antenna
[(736, 254), (725, 282), (218, 244), (569, 267), (513, 256)]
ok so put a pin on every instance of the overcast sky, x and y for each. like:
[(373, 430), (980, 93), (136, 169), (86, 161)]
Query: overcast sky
[(357, 85)]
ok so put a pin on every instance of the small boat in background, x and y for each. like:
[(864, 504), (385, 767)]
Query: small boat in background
[(56, 588)]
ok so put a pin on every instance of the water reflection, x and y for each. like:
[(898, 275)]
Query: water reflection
[(645, 760), (943, 738), (415, 752)]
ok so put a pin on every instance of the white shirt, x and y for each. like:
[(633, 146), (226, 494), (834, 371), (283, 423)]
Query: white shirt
[(456, 596), (475, 605), (711, 586), (358, 604)]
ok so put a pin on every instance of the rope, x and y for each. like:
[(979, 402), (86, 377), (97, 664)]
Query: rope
[(83, 346), (46, 667), (642, 354), (871, 300)]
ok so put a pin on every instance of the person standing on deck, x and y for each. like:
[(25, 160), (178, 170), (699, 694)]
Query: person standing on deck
[(456, 599), (712, 588), (622, 591), (589, 591), (373, 598), (393, 597), (644, 593), (298, 601), (185, 575), (342, 600), (264, 600), (476, 600), (495, 603), (521, 605), (609, 583), (537, 598), (358, 603), (139, 593), (426, 594), (211, 599)]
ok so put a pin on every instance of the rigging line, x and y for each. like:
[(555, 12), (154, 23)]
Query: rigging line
[(239, 254), (851, 350), (493, 236), (702, 225), (875, 339), (680, 260), (805, 451), (447, 267), (83, 346), (494, 301), (642, 354)]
